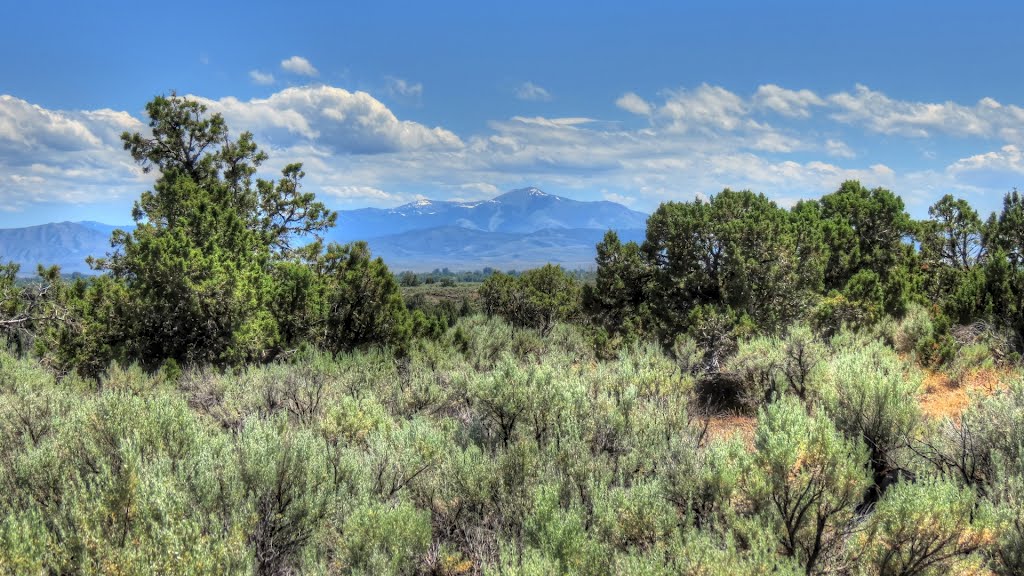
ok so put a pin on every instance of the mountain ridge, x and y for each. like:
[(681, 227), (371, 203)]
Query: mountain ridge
[(519, 211), (521, 228)]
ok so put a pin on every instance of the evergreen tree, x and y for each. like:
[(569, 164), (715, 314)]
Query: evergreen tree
[(363, 300), (737, 251), (538, 298), (951, 250), (197, 267), (865, 230), (1003, 240), (618, 298)]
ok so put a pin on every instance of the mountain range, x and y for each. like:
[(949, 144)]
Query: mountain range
[(520, 229)]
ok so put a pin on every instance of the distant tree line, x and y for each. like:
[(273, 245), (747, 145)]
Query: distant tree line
[(447, 278)]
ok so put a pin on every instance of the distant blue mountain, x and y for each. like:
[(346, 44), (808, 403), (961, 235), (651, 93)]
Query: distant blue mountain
[(519, 212), (66, 244), (103, 228), (520, 229), (467, 249)]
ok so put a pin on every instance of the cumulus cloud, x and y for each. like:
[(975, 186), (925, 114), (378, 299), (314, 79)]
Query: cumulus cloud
[(880, 113), (366, 193), (345, 122), (487, 189), (63, 156), (299, 65), (707, 106), (792, 103), (990, 173), (261, 78), (27, 126), (532, 92), (357, 152), (619, 198), (766, 139), (632, 103), (1008, 158)]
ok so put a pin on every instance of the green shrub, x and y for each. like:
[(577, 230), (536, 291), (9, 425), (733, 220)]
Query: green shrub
[(969, 359), (1007, 551), (560, 535), (703, 482), (921, 528), (811, 479), (802, 354), (913, 330), (704, 554), (380, 538), (287, 487), (758, 366), (870, 394)]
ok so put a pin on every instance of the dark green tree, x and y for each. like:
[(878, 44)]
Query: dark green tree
[(1006, 231), (27, 308), (537, 298), (1003, 241), (738, 251), (865, 229), (363, 300), (952, 235), (197, 268), (551, 295), (951, 251), (617, 301)]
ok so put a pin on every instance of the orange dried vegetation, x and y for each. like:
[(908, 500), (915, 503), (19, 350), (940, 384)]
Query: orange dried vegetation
[(942, 397), (723, 426)]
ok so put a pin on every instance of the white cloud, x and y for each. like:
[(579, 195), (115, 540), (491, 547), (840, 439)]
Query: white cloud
[(532, 92), (707, 106), (990, 174), (619, 198), (1007, 158), (553, 122), (346, 122), (485, 188), (261, 78), (880, 113), (299, 65), (367, 193), (24, 125), (838, 148), (357, 152), (400, 87), (792, 103), (63, 156), (768, 140), (632, 103)]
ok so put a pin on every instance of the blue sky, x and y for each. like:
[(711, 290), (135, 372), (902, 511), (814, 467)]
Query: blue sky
[(387, 102)]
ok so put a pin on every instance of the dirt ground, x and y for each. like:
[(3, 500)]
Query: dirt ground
[(940, 397)]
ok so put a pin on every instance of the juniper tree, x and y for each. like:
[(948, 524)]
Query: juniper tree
[(197, 266)]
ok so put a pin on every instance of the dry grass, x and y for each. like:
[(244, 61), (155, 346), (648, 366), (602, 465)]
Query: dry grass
[(725, 425), (942, 397)]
